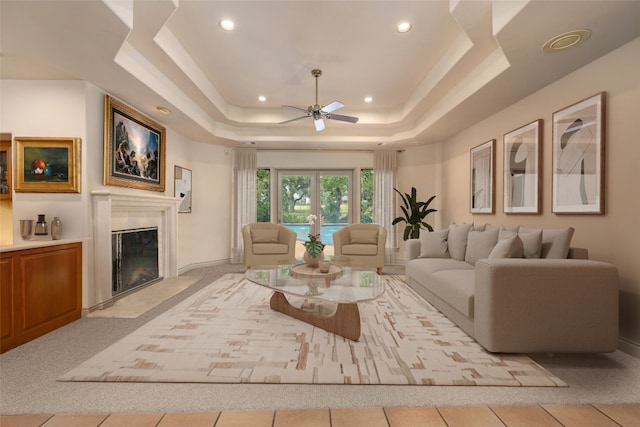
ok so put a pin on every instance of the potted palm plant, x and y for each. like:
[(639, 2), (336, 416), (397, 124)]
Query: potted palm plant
[(414, 213)]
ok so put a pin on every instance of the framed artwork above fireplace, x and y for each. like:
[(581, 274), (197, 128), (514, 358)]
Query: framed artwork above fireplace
[(134, 148)]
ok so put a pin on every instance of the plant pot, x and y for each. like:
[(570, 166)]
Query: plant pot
[(312, 262)]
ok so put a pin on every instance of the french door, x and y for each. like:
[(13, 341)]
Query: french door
[(325, 194)]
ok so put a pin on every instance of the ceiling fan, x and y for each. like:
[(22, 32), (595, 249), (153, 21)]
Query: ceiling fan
[(319, 113)]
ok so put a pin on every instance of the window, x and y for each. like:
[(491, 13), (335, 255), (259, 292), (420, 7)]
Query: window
[(366, 196), (263, 195)]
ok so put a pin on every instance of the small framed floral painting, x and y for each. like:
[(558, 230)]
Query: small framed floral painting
[(522, 179), (134, 147), (47, 165), (578, 157), (482, 178)]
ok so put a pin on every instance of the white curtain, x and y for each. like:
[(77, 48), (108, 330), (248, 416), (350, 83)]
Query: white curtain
[(384, 175), (245, 168)]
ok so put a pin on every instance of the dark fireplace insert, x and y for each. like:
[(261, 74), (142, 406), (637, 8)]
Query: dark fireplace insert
[(135, 258)]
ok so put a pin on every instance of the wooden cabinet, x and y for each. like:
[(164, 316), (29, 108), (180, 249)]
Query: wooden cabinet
[(41, 290), (5, 169)]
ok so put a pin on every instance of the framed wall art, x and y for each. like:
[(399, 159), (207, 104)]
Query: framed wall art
[(578, 157), (182, 188), (482, 176), (134, 148), (47, 165), (522, 180)]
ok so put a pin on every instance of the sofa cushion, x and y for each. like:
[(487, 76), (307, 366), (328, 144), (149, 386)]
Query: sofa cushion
[(434, 244), (510, 247), (422, 268), (556, 243), (531, 241), (480, 244), (363, 237), (269, 248), (457, 240), (456, 287), (264, 235), (359, 249)]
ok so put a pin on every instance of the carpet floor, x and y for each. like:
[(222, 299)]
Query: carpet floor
[(226, 333)]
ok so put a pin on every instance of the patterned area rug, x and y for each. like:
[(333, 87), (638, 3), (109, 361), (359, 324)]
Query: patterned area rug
[(226, 333)]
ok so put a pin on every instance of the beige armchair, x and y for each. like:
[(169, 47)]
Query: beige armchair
[(361, 245), (266, 243)]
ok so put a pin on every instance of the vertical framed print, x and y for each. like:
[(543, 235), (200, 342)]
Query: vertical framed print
[(578, 157), (182, 188), (522, 180), (482, 178)]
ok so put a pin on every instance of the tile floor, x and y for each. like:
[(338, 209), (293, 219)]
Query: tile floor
[(626, 415)]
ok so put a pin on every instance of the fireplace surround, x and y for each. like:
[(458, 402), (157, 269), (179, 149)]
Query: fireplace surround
[(113, 211)]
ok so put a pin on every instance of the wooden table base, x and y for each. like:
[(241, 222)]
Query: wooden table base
[(344, 322)]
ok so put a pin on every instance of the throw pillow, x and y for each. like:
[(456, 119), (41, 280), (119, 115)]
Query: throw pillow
[(363, 237), (505, 233), (510, 247), (434, 244), (480, 244), (532, 242), (457, 241), (264, 235), (556, 243)]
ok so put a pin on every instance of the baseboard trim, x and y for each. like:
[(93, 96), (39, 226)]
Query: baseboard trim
[(629, 347), (205, 264)]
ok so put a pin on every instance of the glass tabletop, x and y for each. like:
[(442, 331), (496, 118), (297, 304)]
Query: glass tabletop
[(352, 286)]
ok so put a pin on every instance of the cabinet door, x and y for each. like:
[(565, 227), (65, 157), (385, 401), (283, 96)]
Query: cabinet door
[(50, 293), (5, 170), (7, 281)]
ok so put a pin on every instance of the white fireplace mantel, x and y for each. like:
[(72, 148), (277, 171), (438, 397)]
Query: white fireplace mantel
[(114, 211)]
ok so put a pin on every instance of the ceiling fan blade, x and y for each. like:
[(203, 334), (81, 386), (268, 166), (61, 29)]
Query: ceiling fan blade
[(342, 118), (332, 107), (319, 124), (293, 120), (304, 110)]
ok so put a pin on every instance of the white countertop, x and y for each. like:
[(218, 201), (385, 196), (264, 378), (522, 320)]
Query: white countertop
[(39, 243)]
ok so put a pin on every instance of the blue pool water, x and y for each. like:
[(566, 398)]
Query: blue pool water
[(326, 234)]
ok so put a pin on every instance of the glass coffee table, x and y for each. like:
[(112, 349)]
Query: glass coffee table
[(344, 286)]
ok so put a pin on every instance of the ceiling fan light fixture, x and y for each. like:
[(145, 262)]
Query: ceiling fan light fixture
[(565, 41), (404, 27), (227, 24)]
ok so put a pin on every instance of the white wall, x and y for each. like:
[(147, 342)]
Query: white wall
[(420, 167), (613, 237), (76, 109), (203, 234), (314, 159)]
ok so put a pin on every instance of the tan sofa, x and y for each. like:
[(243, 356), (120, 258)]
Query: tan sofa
[(266, 243), (361, 245), (518, 291)]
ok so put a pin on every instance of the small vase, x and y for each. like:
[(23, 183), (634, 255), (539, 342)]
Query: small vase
[(312, 262), (56, 228)]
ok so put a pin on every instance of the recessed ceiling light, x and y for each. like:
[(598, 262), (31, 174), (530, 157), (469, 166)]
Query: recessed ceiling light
[(368, 99), (227, 24), (262, 98), (403, 27), (163, 110), (566, 40)]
